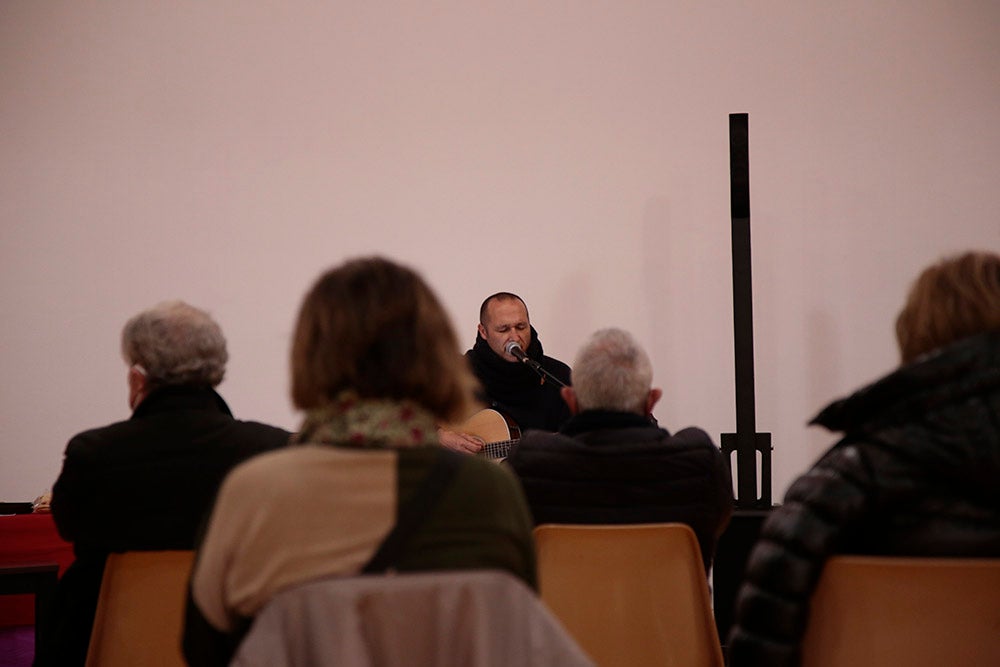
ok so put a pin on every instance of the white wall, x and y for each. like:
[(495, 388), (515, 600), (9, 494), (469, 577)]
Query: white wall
[(573, 152)]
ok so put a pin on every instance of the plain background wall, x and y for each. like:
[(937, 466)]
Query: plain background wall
[(574, 152)]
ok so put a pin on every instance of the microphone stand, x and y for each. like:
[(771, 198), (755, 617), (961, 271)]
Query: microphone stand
[(542, 373), (517, 352)]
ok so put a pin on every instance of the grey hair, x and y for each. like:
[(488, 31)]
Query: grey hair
[(612, 372), (176, 344)]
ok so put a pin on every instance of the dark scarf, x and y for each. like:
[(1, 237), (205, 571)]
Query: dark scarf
[(506, 379), (599, 420)]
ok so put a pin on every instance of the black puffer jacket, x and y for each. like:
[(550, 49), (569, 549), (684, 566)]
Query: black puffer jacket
[(916, 474)]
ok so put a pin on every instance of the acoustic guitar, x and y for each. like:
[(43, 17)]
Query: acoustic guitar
[(495, 430)]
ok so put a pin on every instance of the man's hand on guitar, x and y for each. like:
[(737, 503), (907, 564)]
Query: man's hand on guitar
[(460, 442)]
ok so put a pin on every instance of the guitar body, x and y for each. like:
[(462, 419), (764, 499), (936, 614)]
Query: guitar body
[(495, 430)]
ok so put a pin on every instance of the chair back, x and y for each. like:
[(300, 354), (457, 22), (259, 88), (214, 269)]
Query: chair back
[(875, 610), (630, 594), (468, 618), (140, 611)]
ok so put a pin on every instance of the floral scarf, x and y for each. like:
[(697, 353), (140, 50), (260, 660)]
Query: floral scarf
[(351, 421)]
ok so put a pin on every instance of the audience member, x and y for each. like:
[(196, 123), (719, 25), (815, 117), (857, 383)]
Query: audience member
[(375, 367), (511, 387), (915, 473), (145, 483), (611, 463)]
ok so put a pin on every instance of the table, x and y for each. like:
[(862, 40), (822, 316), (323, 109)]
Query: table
[(29, 541)]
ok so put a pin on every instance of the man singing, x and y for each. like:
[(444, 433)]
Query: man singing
[(528, 397)]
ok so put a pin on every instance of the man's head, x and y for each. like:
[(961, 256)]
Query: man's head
[(612, 372), (955, 298), (503, 318), (172, 343), (376, 328)]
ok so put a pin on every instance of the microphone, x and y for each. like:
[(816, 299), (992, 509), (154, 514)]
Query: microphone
[(513, 348)]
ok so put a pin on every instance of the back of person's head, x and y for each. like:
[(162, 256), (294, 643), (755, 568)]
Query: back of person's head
[(953, 299), (176, 344), (612, 372), (376, 328)]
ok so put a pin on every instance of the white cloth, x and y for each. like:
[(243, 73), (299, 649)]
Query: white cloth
[(474, 618)]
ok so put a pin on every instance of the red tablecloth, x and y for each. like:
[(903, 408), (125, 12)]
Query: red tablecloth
[(27, 539)]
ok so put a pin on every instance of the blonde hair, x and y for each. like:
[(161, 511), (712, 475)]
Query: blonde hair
[(375, 327), (953, 299)]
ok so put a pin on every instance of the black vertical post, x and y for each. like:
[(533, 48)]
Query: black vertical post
[(752, 502), (746, 442)]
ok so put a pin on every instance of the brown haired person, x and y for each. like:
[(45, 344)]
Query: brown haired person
[(375, 367), (915, 473)]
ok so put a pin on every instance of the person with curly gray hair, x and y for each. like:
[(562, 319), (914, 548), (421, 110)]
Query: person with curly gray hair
[(144, 483), (172, 343)]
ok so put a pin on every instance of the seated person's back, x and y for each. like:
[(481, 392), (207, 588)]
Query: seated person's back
[(611, 463), (375, 366), (145, 483), (915, 473)]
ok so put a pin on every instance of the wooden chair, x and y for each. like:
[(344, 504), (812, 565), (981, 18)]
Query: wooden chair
[(870, 610), (140, 612), (631, 595)]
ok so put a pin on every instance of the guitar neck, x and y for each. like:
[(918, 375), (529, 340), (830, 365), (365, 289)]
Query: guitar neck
[(497, 450)]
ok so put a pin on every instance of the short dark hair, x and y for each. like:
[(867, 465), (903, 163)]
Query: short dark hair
[(375, 327), (953, 299), (499, 296)]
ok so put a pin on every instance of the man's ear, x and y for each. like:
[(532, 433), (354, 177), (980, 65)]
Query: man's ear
[(569, 396), (652, 399), (137, 385), (482, 330)]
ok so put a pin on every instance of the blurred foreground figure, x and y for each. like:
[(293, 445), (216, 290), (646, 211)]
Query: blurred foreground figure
[(375, 367), (915, 473), (145, 483)]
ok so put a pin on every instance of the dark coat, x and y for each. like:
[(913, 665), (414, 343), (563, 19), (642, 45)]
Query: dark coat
[(141, 484), (613, 467), (915, 474), (518, 391)]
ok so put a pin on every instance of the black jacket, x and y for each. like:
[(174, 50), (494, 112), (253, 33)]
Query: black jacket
[(613, 467), (518, 391), (915, 474), (140, 484)]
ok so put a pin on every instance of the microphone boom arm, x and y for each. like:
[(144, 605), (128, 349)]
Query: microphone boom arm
[(515, 350)]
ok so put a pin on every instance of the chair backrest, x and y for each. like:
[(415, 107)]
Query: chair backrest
[(469, 618), (874, 610), (630, 594), (140, 612)]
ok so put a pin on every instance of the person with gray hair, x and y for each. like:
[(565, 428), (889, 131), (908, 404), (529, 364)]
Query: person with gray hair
[(145, 483), (611, 463), (172, 344), (612, 372), (175, 343)]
